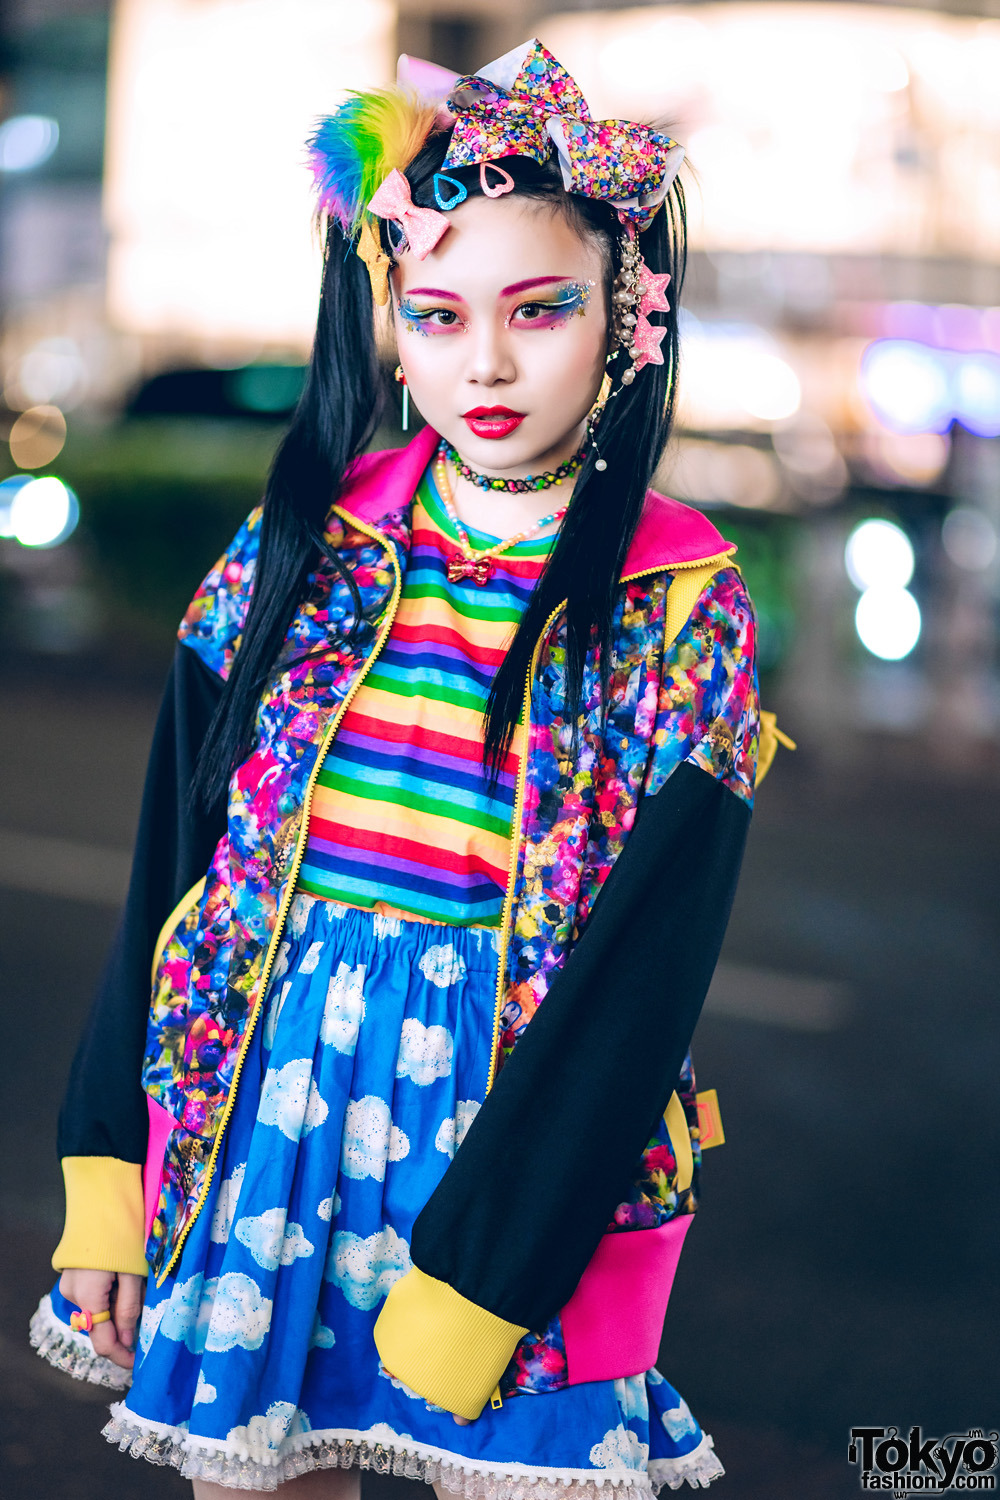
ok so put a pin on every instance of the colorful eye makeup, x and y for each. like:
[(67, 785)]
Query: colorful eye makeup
[(425, 320), (568, 301)]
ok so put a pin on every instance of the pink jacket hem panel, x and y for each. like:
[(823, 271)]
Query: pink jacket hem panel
[(613, 1323), (160, 1125)]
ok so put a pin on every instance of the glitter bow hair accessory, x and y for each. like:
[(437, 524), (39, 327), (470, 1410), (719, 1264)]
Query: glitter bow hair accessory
[(423, 227), (523, 104), (526, 104)]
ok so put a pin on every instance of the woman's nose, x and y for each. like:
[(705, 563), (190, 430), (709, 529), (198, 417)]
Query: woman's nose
[(490, 359)]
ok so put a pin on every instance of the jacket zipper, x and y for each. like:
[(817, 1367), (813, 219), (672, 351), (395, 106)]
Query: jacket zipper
[(522, 772), (286, 902)]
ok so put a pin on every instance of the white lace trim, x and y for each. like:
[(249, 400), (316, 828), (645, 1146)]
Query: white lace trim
[(73, 1352), (221, 1463), (697, 1468)]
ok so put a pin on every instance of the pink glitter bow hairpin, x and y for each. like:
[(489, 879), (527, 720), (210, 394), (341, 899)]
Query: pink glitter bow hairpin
[(526, 104), (423, 227)]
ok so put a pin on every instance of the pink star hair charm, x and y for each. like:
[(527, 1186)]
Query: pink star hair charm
[(646, 341), (652, 290), (638, 291)]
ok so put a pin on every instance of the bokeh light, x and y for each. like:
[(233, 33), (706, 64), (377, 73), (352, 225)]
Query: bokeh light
[(181, 261), (915, 388), (976, 393), (26, 142), (52, 371), (807, 450), (9, 489), (859, 129), (734, 377), (910, 458), (887, 620), (906, 385), (37, 437), (265, 388), (771, 390), (878, 555), (710, 473), (969, 538), (44, 512)]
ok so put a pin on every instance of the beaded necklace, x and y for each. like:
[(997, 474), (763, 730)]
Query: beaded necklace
[(479, 566), (543, 481)]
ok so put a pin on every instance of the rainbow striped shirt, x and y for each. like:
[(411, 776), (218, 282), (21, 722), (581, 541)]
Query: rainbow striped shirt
[(401, 814)]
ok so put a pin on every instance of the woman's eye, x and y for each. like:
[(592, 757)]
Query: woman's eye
[(428, 320), (550, 314)]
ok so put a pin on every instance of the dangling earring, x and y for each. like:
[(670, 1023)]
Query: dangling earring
[(401, 380), (594, 416), (600, 464)]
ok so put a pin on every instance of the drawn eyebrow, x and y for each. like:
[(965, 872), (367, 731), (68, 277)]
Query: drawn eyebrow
[(432, 291), (524, 286)]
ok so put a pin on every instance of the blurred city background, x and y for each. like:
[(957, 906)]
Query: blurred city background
[(840, 417)]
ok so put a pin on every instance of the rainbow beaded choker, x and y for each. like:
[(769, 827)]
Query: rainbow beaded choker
[(516, 486)]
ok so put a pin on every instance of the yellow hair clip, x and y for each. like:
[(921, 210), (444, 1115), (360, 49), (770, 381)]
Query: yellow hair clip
[(378, 263)]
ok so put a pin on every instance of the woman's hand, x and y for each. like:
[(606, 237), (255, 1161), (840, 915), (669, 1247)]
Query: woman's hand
[(121, 1294)]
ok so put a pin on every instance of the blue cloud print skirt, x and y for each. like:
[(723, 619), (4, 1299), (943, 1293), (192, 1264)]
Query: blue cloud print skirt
[(256, 1361)]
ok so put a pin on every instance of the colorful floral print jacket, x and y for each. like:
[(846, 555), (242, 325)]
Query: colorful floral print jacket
[(623, 872)]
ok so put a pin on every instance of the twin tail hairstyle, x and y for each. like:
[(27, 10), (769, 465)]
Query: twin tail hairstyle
[(343, 398)]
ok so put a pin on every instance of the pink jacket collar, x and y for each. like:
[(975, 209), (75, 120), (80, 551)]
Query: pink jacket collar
[(668, 532)]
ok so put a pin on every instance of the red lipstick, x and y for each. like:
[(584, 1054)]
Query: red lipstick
[(492, 421)]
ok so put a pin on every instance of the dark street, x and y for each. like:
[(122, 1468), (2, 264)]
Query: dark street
[(842, 1271)]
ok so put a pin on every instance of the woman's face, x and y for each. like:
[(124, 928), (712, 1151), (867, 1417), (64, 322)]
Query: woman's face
[(502, 333)]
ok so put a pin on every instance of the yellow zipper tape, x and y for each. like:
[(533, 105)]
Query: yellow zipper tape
[(190, 898), (286, 902)]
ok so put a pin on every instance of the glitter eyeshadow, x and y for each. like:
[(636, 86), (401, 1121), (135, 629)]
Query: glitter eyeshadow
[(412, 318), (568, 302)]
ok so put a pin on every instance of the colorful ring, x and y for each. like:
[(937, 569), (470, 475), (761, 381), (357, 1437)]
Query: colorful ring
[(459, 196), (83, 1321)]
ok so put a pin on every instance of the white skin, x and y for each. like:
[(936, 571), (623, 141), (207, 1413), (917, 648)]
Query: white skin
[(539, 351)]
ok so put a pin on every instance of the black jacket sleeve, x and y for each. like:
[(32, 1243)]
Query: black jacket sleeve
[(104, 1111), (520, 1210)]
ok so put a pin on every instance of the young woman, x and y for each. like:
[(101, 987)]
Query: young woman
[(443, 821)]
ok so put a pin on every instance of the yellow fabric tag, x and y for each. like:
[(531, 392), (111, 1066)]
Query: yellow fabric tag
[(680, 1142), (496, 1400), (767, 744), (709, 1119)]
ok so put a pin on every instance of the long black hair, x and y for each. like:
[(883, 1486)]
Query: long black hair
[(336, 417)]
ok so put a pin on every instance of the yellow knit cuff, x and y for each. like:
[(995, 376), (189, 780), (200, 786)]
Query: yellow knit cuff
[(439, 1343), (105, 1221)]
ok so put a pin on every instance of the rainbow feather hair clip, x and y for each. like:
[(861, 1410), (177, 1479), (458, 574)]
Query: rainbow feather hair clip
[(352, 152)]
